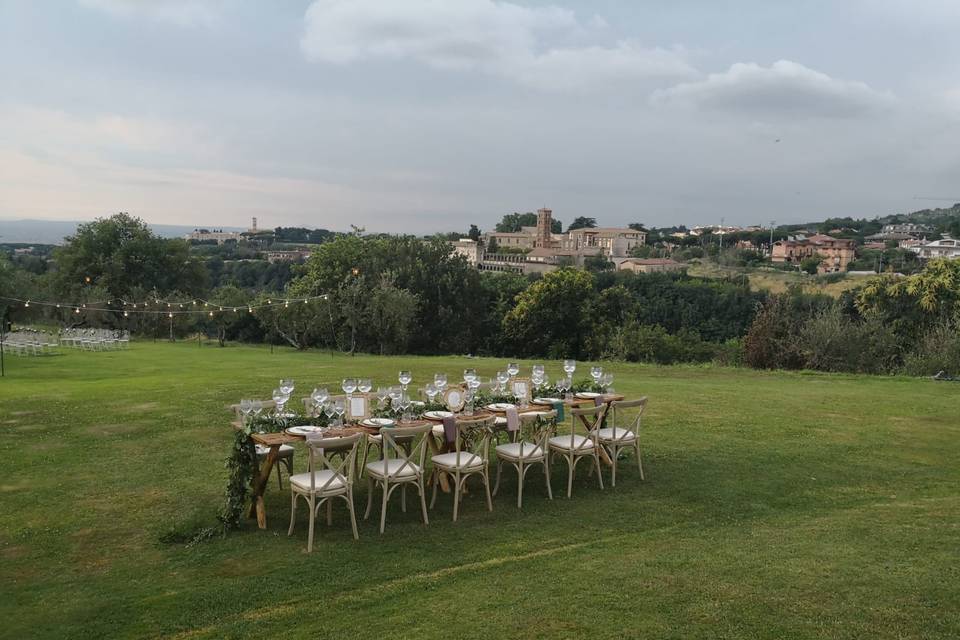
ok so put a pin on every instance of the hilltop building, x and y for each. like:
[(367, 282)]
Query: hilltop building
[(835, 253), (946, 247), (219, 235), (538, 249)]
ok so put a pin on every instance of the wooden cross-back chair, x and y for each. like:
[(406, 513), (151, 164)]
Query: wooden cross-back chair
[(470, 457), (529, 449), (573, 446), (326, 478), (625, 435), (405, 466)]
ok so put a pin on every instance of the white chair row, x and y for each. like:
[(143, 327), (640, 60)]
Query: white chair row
[(402, 463), (29, 344), (95, 339)]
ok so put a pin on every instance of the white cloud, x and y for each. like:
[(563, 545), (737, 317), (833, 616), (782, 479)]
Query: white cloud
[(185, 13), (784, 88), (499, 38)]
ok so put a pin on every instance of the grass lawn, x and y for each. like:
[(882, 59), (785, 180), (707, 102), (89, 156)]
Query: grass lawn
[(776, 505)]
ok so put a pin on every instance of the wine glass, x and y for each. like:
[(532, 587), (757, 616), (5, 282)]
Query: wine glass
[(537, 370), (608, 382), (513, 369), (278, 400), (395, 395), (382, 393), (246, 406), (569, 366), (468, 396), (349, 385), (503, 377), (469, 375), (256, 407), (595, 373), (405, 406), (341, 407), (286, 385), (431, 390), (329, 410), (364, 385), (440, 380), (404, 379)]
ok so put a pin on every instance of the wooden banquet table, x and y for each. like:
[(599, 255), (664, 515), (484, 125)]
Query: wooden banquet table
[(273, 442)]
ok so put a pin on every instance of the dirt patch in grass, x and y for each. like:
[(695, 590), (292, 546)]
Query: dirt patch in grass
[(112, 429)]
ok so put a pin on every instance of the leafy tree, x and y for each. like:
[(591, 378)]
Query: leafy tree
[(474, 233), (392, 313), (598, 262), (492, 246), (551, 315), (582, 223), (811, 264), (121, 254)]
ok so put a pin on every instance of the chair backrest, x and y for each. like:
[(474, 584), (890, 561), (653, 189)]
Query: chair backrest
[(341, 470), (536, 428), (473, 436), (634, 423), (408, 444), (594, 417)]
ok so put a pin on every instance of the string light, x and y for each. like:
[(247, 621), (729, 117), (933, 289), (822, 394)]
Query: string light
[(27, 304), (170, 308)]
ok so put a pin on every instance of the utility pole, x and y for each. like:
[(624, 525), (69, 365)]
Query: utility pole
[(772, 225), (721, 234)]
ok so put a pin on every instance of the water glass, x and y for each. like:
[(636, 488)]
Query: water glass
[(569, 366), (364, 385), (513, 369)]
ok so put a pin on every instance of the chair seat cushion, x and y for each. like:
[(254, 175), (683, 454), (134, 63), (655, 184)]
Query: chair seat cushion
[(449, 460), (394, 465), (302, 481), (438, 430), (500, 421), (512, 450), (374, 437), (579, 442), (286, 451), (616, 434)]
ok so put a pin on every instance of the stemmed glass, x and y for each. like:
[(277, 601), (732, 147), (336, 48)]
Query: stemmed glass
[(329, 410), (469, 375), (537, 371), (513, 369), (440, 380), (608, 382), (341, 407), (502, 378), (257, 407), (349, 385), (468, 400), (395, 395), (318, 397), (382, 393), (431, 390), (562, 386), (569, 366), (364, 385), (405, 404), (404, 379), (246, 406), (286, 386), (596, 373), (279, 398)]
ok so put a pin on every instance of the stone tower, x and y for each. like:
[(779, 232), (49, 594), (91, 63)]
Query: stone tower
[(253, 228), (544, 224)]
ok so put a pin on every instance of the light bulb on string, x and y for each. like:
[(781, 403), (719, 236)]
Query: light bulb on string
[(170, 315), (126, 314), (211, 314), (27, 304), (286, 303), (77, 310)]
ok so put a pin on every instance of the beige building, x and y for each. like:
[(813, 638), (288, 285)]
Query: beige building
[(835, 253), (650, 265), (946, 247)]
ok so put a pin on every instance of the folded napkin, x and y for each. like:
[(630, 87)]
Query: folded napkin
[(450, 430), (513, 419), (558, 407)]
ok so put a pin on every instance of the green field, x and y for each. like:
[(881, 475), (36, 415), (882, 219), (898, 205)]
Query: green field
[(776, 505)]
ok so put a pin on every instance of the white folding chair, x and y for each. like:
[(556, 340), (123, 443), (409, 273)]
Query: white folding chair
[(470, 457)]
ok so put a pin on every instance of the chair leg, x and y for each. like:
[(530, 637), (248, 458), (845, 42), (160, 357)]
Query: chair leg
[(496, 485), (369, 496), (353, 516), (423, 500), (546, 476), (613, 460), (403, 497), (383, 508), (293, 512), (596, 460), (313, 515), (329, 512), (639, 462), (486, 485), (570, 476), (279, 479), (520, 486), (435, 480), (456, 497)]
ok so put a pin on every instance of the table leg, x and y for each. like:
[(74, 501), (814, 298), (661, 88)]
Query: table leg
[(257, 507)]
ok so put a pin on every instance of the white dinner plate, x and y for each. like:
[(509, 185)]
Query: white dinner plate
[(501, 406), (378, 422), (437, 415), (304, 430), (588, 395), (549, 401), (418, 403)]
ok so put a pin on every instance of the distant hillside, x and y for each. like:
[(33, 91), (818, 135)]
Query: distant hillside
[(54, 231)]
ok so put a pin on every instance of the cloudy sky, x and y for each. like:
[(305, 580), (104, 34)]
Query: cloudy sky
[(425, 115)]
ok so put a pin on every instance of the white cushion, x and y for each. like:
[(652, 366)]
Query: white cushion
[(500, 421), (393, 466), (620, 435), (302, 481), (374, 437), (579, 442), (285, 450), (512, 450), (438, 429), (467, 460)]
